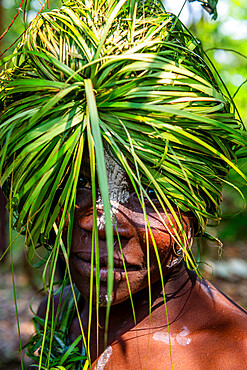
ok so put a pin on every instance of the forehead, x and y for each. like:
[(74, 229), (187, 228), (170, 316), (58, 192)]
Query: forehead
[(113, 166), (117, 178)]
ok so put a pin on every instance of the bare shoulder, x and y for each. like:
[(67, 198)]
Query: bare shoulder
[(224, 345), (221, 341), (225, 307), (210, 334), (210, 348)]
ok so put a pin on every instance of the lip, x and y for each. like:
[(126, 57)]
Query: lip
[(83, 265)]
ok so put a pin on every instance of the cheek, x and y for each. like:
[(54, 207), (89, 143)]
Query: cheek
[(164, 245), (137, 282), (158, 241)]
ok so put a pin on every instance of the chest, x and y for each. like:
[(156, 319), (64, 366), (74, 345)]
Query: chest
[(146, 348), (154, 349)]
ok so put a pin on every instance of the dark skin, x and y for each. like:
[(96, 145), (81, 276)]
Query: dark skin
[(207, 329)]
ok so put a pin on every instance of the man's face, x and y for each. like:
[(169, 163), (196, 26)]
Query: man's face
[(138, 250)]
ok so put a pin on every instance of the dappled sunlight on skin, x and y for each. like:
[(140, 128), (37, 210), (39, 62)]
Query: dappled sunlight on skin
[(199, 333), (131, 229), (204, 325), (202, 321)]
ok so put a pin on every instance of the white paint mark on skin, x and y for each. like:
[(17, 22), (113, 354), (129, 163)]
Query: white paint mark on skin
[(117, 182), (101, 221), (189, 233), (111, 298), (103, 299), (104, 358), (182, 338), (163, 337), (117, 186)]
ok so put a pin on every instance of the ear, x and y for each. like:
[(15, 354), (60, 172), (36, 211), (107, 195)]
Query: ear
[(188, 222)]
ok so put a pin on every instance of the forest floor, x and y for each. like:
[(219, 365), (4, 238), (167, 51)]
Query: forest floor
[(230, 276)]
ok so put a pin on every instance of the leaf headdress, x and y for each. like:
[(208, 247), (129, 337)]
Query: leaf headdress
[(124, 73)]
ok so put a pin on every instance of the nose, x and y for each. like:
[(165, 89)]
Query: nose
[(121, 226)]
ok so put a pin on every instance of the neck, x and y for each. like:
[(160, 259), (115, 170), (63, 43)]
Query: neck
[(178, 287)]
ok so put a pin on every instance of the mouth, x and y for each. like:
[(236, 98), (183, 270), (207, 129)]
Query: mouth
[(83, 265)]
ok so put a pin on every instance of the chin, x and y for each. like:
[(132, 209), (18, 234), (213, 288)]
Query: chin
[(120, 292), (115, 298), (137, 279)]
